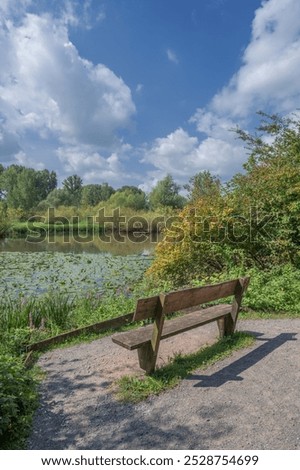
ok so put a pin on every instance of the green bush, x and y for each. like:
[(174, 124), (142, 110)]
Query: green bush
[(18, 399), (275, 290)]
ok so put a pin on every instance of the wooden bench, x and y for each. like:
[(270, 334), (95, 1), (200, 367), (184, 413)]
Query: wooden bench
[(146, 339)]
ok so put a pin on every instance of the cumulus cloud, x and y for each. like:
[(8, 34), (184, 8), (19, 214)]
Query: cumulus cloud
[(14, 7), (48, 91), (82, 14), (268, 79), (269, 75), (183, 155), (93, 167)]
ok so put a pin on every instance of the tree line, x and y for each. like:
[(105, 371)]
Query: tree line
[(28, 189)]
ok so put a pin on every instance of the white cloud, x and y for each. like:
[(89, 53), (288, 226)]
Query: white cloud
[(269, 76), (82, 14), (46, 85), (183, 155), (93, 167), (268, 80), (172, 56), (48, 91), (14, 7), (23, 159)]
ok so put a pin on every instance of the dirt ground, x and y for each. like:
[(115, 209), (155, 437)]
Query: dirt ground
[(247, 401)]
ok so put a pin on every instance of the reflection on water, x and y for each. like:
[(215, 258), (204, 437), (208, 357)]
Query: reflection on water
[(59, 244)]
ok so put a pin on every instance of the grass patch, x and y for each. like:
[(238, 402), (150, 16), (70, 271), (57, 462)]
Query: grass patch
[(135, 389), (249, 314)]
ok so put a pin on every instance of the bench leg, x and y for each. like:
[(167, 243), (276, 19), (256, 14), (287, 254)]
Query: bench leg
[(226, 326), (221, 326), (147, 358)]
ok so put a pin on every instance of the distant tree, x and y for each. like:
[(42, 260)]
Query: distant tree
[(132, 189), (92, 194), (202, 184), (9, 183), (166, 194), (73, 187), (24, 187), (1, 173), (46, 182), (133, 198), (106, 191), (57, 197)]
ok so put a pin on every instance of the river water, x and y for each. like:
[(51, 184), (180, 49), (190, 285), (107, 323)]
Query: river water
[(67, 244)]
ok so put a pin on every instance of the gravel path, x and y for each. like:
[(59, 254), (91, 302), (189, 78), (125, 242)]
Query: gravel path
[(250, 400)]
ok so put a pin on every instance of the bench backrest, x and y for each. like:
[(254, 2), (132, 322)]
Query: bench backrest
[(185, 298)]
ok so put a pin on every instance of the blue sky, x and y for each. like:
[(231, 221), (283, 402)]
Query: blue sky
[(126, 91)]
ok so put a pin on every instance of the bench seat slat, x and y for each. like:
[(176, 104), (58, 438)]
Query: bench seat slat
[(134, 339)]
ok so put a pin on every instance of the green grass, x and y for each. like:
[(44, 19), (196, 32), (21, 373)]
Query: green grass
[(18, 401), (135, 389)]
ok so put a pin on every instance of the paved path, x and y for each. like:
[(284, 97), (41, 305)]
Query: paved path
[(248, 401)]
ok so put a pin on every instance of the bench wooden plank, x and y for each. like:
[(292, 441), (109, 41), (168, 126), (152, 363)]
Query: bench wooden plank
[(145, 308), (134, 339), (185, 298)]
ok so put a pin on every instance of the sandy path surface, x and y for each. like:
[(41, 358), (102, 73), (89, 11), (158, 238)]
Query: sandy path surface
[(250, 400)]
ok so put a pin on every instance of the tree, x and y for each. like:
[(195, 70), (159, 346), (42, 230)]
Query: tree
[(57, 197), (272, 182), (166, 194), (132, 189), (1, 173), (254, 221), (132, 198), (92, 194), (46, 182), (73, 187), (25, 187), (202, 184)]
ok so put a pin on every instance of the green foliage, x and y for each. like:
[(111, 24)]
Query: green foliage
[(5, 225), (15, 340), (94, 308), (73, 187), (57, 197), (15, 312), (24, 187), (18, 400), (252, 222), (135, 389), (132, 198), (271, 291), (92, 194), (201, 185), (166, 194), (272, 184), (1, 173), (274, 290)]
